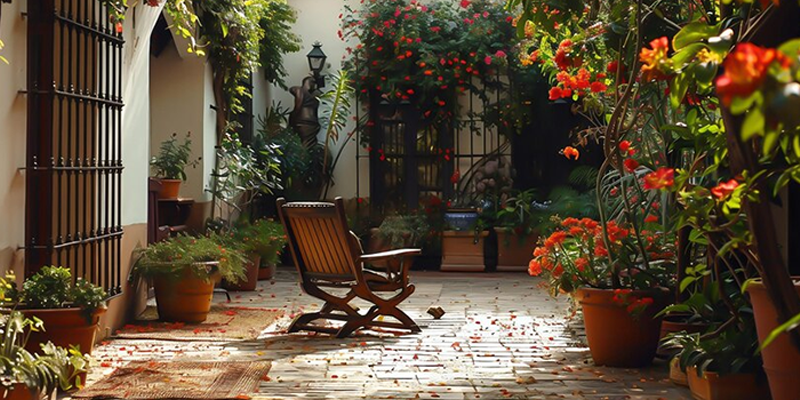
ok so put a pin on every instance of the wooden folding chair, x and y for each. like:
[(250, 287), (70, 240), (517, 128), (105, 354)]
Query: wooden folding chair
[(328, 255)]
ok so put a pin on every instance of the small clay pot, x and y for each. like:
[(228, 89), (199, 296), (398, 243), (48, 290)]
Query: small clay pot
[(187, 299), (251, 271), (170, 189), (712, 386)]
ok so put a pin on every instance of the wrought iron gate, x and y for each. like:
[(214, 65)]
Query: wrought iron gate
[(74, 168)]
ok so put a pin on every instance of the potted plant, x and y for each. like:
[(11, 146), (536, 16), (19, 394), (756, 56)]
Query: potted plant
[(261, 242), (28, 376), (516, 229), (70, 312), (724, 364), (184, 270), (398, 232), (170, 165), (620, 297)]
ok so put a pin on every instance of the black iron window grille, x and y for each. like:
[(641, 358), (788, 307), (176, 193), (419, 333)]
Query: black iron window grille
[(74, 155)]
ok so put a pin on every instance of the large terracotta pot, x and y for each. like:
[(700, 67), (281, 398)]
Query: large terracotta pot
[(712, 386), (251, 272), (170, 188), (19, 392), (617, 338), (513, 254), (461, 253), (781, 358), (64, 327), (187, 299)]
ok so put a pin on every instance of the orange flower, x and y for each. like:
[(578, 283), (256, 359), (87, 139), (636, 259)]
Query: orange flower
[(724, 189), (660, 179), (555, 238), (571, 153), (655, 61), (746, 68), (534, 268)]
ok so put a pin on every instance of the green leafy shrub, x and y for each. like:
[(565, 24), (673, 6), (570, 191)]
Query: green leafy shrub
[(52, 287), (173, 158), (404, 231), (263, 237), (174, 257)]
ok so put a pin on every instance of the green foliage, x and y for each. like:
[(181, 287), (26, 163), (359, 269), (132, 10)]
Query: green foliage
[(300, 167), (52, 368), (402, 231), (518, 215), (263, 237), (244, 171), (205, 257), (732, 350), (279, 39), (173, 158), (52, 287), (336, 106), (232, 33)]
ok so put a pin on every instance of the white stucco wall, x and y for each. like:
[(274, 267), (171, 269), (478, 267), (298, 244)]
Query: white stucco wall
[(136, 114), (318, 21), (13, 114)]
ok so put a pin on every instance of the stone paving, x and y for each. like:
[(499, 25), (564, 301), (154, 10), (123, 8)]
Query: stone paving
[(502, 337)]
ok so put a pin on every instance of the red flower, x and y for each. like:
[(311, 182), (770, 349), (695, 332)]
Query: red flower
[(724, 189), (655, 61), (630, 164), (746, 68), (555, 93), (660, 179), (571, 153), (488, 60), (624, 145), (465, 3), (651, 218), (598, 87), (455, 177)]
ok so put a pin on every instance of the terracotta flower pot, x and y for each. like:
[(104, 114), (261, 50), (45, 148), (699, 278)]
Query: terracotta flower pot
[(187, 299), (676, 374), (251, 271), (513, 254), (19, 392), (616, 337), (674, 323), (712, 386), (170, 188), (781, 358), (266, 272), (64, 327)]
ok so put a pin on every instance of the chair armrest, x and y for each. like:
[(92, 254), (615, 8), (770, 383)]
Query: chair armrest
[(386, 255)]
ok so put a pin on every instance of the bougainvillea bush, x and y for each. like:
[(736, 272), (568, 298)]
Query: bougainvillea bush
[(426, 52)]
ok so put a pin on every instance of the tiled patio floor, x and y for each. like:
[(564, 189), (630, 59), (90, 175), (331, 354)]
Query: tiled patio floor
[(501, 337)]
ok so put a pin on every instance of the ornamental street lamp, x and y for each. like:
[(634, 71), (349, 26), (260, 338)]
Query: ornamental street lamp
[(316, 62)]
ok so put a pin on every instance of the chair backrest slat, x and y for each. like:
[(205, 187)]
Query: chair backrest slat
[(319, 239)]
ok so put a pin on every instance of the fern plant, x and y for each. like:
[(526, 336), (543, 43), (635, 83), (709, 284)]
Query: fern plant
[(336, 105)]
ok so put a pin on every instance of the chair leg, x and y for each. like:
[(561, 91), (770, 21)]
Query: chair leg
[(301, 321), (404, 319)]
